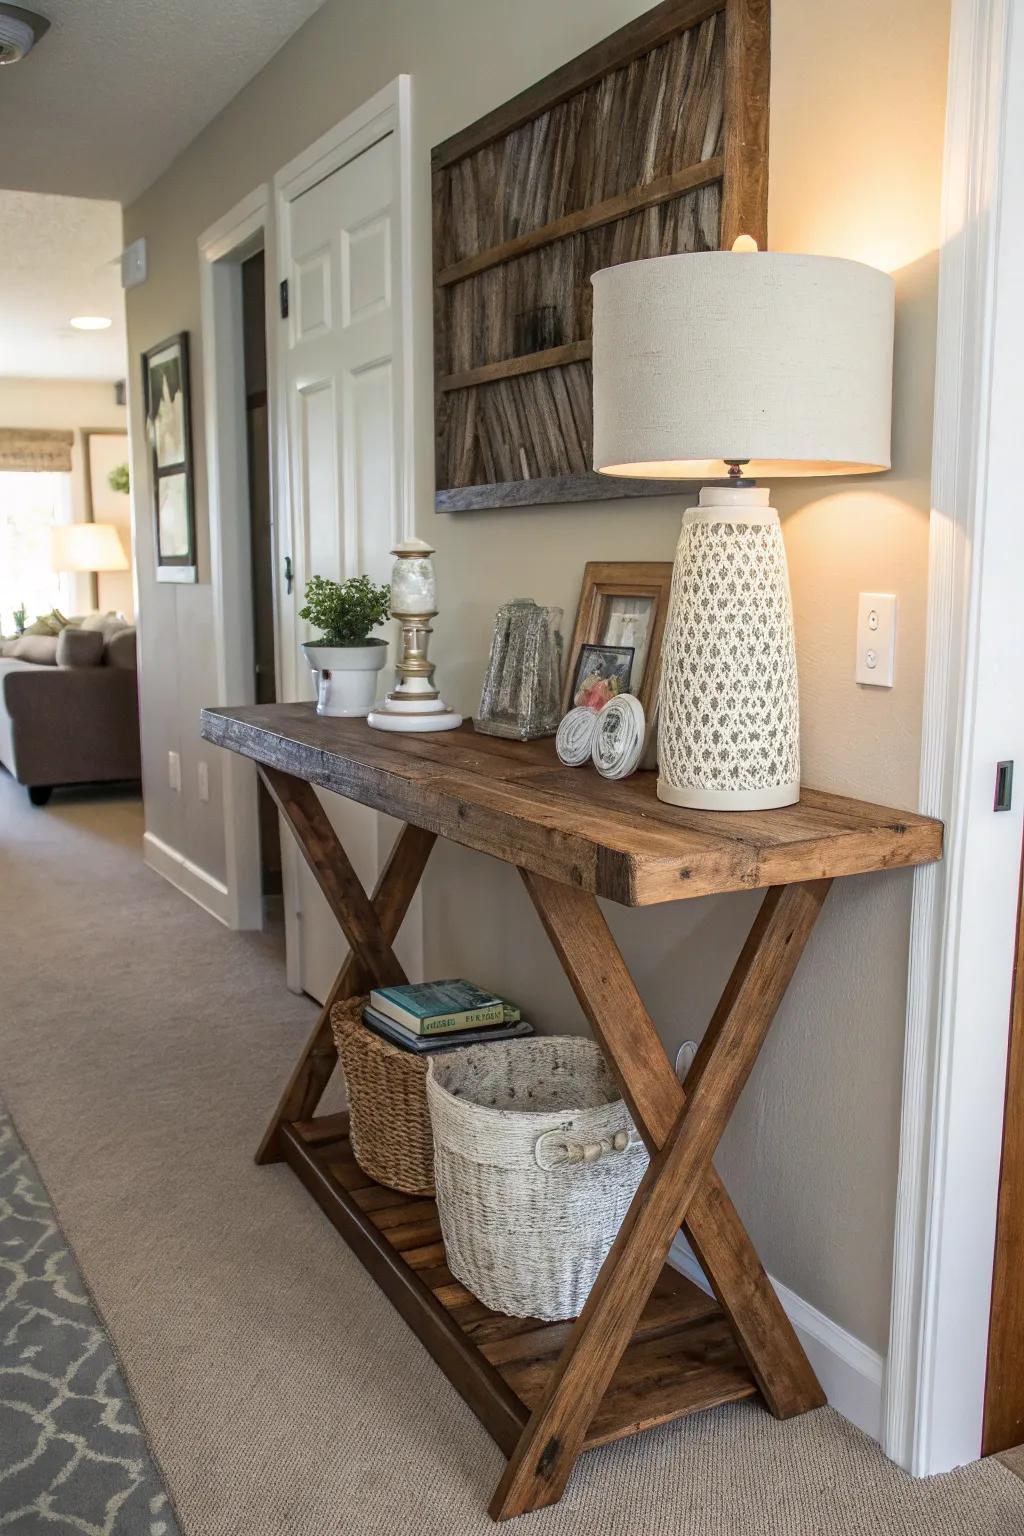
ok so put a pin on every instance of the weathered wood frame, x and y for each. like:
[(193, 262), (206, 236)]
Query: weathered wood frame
[(742, 169), (507, 799)]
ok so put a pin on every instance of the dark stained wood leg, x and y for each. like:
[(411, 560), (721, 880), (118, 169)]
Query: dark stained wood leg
[(606, 992), (395, 890), (332, 870), (676, 1180)]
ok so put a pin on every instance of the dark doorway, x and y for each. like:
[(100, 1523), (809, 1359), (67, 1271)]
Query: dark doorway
[(261, 537)]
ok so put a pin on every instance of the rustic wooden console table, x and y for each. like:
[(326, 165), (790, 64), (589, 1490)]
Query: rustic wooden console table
[(648, 1346)]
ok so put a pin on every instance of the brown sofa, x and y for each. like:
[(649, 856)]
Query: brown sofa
[(69, 708)]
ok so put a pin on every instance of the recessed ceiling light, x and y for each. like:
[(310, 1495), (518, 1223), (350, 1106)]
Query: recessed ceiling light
[(91, 323)]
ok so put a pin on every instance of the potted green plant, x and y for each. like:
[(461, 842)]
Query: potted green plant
[(346, 659)]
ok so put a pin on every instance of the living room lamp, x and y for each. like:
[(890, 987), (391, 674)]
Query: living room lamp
[(717, 366), (87, 547)]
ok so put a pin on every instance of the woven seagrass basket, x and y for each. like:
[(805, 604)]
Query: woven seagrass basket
[(536, 1161), (389, 1126)]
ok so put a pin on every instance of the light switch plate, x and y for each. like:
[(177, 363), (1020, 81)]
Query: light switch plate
[(876, 639), (133, 264)]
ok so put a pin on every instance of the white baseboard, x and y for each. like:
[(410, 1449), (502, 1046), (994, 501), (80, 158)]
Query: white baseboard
[(196, 883), (850, 1373)]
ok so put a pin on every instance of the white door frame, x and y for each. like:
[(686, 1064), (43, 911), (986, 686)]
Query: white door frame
[(389, 111), (962, 935), (222, 249)]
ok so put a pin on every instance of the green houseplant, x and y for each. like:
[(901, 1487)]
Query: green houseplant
[(346, 658)]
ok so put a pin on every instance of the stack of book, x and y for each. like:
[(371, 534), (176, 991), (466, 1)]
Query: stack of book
[(436, 1015)]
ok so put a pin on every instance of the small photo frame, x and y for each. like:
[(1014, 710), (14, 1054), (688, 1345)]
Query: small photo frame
[(623, 607), (166, 393), (602, 673)]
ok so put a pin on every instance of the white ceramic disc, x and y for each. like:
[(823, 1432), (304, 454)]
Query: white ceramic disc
[(619, 737), (575, 738)]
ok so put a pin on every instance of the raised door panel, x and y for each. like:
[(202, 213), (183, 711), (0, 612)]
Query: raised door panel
[(341, 339)]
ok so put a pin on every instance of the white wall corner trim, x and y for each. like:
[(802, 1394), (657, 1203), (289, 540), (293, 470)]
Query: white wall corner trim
[(850, 1373), (962, 930), (188, 878), (222, 249)]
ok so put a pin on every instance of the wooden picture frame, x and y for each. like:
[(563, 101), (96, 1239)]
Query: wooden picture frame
[(637, 582), (166, 395), (655, 141)]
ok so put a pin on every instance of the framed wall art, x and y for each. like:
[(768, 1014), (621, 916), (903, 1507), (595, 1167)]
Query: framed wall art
[(653, 142), (620, 622), (165, 384)]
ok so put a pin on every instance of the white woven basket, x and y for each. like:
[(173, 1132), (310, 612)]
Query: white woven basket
[(536, 1161)]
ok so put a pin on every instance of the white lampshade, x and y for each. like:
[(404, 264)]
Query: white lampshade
[(784, 361), (87, 547)]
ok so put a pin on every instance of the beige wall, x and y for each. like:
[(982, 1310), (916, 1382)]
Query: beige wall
[(857, 113), (74, 405)]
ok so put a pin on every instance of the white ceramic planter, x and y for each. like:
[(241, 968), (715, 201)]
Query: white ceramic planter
[(345, 676)]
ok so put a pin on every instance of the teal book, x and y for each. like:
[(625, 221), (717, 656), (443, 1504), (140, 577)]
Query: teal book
[(433, 1007)]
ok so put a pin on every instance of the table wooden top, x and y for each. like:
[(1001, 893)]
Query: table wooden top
[(516, 801)]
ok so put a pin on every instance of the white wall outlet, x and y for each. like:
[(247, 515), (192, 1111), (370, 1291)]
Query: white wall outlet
[(174, 771), (133, 264), (876, 639), (203, 775)]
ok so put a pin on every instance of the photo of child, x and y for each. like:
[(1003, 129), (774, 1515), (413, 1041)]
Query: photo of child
[(602, 672)]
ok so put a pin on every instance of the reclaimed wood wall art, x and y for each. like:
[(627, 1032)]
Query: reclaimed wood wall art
[(653, 142)]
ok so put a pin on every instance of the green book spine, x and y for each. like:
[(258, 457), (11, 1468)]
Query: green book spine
[(446, 1023)]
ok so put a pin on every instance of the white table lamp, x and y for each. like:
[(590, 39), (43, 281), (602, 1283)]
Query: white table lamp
[(718, 366), (87, 548)]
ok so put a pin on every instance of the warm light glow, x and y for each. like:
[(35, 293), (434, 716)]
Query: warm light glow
[(718, 469), (91, 322), (745, 243), (87, 547)]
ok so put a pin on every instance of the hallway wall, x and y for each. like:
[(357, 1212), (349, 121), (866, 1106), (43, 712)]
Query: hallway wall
[(856, 141)]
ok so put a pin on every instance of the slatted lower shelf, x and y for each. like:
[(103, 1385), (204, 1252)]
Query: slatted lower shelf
[(682, 1357)]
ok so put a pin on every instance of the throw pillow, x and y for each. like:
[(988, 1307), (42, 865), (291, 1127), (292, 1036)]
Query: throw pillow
[(42, 649), (48, 624), (79, 648), (107, 623)]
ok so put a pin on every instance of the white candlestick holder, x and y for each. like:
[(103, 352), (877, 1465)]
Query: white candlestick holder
[(415, 702)]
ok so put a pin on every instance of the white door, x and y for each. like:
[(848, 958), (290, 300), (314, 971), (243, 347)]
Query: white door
[(343, 341)]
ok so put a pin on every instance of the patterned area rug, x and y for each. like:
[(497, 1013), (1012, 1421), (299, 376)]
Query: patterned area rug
[(72, 1453)]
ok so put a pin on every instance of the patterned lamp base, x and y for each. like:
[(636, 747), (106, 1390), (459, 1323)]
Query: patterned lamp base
[(729, 719)]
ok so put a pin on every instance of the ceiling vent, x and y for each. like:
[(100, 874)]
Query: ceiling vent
[(20, 30)]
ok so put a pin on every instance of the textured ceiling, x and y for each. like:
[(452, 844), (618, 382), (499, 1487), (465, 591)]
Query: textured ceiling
[(59, 256), (117, 88)]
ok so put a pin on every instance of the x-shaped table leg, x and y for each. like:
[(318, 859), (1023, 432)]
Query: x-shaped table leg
[(370, 925), (682, 1129)]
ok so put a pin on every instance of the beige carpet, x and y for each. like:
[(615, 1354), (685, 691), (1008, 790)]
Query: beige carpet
[(141, 1046)]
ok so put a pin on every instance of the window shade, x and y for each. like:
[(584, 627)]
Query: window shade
[(31, 448)]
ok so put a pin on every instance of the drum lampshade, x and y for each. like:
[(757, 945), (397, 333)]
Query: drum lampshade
[(783, 361)]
